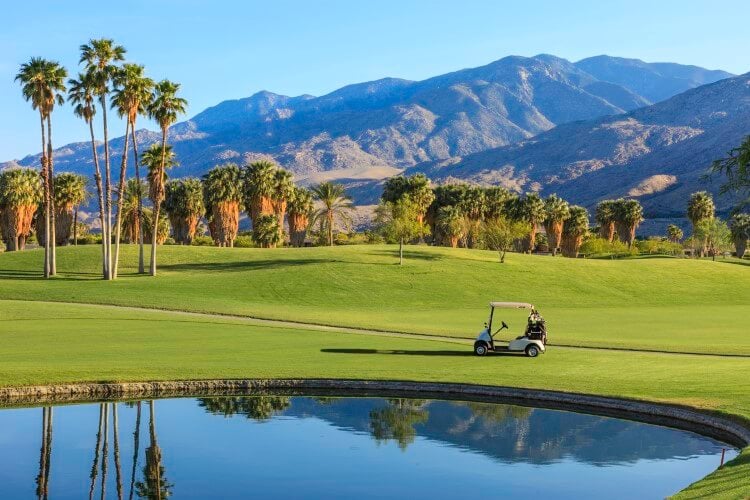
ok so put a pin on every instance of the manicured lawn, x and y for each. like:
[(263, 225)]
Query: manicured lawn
[(649, 303), (662, 304)]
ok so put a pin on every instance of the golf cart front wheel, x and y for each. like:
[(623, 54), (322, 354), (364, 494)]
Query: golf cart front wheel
[(532, 351), (480, 349)]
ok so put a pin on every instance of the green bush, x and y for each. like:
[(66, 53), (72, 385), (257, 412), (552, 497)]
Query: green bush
[(658, 246), (169, 241), (243, 241), (203, 241), (599, 247)]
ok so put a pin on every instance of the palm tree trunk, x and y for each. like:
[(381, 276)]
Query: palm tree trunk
[(95, 467), (136, 443), (120, 191), (100, 193), (49, 452), (139, 211), (157, 201), (45, 185), (105, 451), (107, 188), (75, 226), (52, 238), (329, 216), (118, 469), (42, 457)]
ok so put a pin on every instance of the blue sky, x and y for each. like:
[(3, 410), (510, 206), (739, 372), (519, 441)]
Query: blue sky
[(229, 49)]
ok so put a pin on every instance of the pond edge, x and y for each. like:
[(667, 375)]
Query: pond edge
[(685, 418)]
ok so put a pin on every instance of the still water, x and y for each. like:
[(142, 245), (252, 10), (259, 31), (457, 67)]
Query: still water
[(313, 447)]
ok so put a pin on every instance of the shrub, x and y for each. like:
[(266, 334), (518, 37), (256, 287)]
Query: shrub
[(600, 247), (244, 241), (202, 241)]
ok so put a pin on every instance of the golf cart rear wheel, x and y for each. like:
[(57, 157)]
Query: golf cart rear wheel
[(532, 351), (480, 349)]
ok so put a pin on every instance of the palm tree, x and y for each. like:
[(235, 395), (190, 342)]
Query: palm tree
[(222, 196), (116, 437), (531, 210), (81, 94), (736, 167), (100, 57), (136, 444), (95, 466), (628, 216), (132, 217), (496, 201), (20, 194), (260, 188), (157, 159), (165, 108), (700, 207), (740, 227), (148, 226), (472, 205), (556, 211), (335, 205), (132, 94), (674, 233), (300, 209), (450, 225), (70, 191), (266, 231), (42, 82), (184, 205), (283, 191), (605, 216), (575, 228)]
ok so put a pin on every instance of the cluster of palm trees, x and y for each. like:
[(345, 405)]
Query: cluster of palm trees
[(461, 214), (269, 196), (619, 218), (105, 82)]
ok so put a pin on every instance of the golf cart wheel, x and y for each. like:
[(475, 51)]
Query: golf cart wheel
[(480, 349), (532, 351)]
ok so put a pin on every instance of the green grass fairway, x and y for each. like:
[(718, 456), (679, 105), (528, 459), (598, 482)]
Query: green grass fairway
[(57, 343), (648, 303), (635, 305)]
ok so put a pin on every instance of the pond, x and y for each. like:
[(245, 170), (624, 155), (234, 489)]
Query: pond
[(313, 447)]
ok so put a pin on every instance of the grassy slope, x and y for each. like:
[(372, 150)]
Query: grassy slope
[(662, 304)]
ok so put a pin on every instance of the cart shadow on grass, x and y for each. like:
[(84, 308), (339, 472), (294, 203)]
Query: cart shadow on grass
[(408, 352)]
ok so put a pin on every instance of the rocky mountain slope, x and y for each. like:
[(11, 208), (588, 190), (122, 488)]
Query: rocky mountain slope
[(657, 154), (362, 133)]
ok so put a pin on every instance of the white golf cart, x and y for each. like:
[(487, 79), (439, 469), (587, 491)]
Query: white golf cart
[(532, 342)]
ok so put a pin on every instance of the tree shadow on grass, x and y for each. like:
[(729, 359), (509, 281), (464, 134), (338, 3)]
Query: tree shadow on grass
[(247, 265), (409, 254)]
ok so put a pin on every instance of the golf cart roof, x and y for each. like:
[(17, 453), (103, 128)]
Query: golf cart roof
[(511, 305)]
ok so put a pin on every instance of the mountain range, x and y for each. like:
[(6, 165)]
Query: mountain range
[(599, 127)]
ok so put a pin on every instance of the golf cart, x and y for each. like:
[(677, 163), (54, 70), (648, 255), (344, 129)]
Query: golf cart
[(532, 342)]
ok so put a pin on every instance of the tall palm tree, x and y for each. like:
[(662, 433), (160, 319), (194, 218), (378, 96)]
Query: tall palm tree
[(300, 209), (157, 160), (165, 108), (628, 216), (95, 467), (496, 200), (100, 58), (82, 93), (740, 227), (222, 196), (700, 207), (531, 210), (674, 233), (132, 94), (421, 195), (605, 216), (283, 191), (575, 227), (335, 204), (184, 205), (259, 188), (42, 84), (70, 191), (556, 211), (20, 194), (136, 445)]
